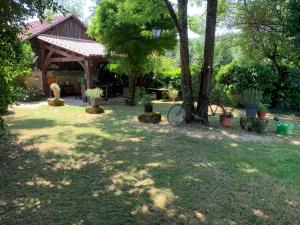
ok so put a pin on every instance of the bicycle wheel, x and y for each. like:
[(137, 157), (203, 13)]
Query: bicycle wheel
[(176, 115), (215, 115)]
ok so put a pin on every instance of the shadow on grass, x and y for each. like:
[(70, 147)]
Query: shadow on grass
[(141, 175)]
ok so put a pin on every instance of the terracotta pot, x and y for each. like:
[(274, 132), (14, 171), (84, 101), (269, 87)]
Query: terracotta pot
[(226, 122), (261, 115), (56, 93)]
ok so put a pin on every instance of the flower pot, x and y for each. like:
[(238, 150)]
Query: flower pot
[(261, 115), (95, 101), (56, 93), (148, 108), (251, 111), (226, 121)]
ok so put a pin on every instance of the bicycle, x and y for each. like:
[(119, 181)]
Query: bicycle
[(215, 114)]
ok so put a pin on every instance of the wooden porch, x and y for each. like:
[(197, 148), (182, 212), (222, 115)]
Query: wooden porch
[(87, 53)]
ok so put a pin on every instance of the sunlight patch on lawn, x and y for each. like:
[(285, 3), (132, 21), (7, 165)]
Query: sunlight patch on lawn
[(27, 203), (200, 216), (161, 197), (259, 213), (40, 182), (247, 168)]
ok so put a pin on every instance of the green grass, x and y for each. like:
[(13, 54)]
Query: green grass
[(62, 166)]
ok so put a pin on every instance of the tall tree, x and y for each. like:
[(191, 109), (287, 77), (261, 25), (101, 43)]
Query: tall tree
[(208, 59), (180, 20), (13, 53), (124, 27)]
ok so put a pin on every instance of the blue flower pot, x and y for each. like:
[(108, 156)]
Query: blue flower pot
[(251, 111)]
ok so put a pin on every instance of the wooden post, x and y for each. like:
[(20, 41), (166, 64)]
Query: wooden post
[(89, 77), (44, 68)]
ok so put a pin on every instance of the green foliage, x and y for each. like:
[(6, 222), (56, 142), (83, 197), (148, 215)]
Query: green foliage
[(222, 94), (165, 71), (2, 127), (248, 74), (54, 86), (94, 93), (124, 28), (263, 107), (146, 100), (13, 68), (29, 94), (252, 97), (266, 29)]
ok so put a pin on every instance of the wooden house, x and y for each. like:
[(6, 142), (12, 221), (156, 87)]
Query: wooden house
[(64, 53)]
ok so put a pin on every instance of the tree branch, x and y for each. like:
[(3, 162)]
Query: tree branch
[(173, 15)]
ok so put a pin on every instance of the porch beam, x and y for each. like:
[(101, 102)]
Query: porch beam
[(66, 59)]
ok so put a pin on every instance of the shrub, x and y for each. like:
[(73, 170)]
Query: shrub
[(252, 97), (94, 93), (2, 127), (290, 83), (29, 94), (248, 74)]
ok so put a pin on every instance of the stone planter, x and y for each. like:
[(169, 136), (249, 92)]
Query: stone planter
[(150, 117), (95, 101), (56, 93), (94, 110), (56, 102), (254, 124)]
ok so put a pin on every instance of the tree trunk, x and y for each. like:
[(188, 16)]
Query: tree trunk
[(131, 90), (206, 72), (181, 23)]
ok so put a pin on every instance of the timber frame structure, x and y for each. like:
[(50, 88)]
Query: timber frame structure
[(51, 53), (61, 46)]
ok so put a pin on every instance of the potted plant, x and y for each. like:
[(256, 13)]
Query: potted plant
[(226, 119), (252, 99), (229, 102), (173, 94), (94, 96), (262, 111), (56, 90), (147, 102)]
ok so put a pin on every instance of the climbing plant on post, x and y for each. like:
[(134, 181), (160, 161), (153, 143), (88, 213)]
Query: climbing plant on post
[(180, 20)]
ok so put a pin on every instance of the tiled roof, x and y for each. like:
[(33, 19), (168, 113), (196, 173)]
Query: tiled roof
[(80, 46), (37, 27)]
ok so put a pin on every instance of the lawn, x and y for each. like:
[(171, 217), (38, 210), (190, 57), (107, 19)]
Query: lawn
[(63, 166)]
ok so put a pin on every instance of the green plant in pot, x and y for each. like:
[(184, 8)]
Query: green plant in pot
[(94, 96), (56, 90), (147, 102), (252, 99), (229, 102), (262, 111), (173, 94)]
